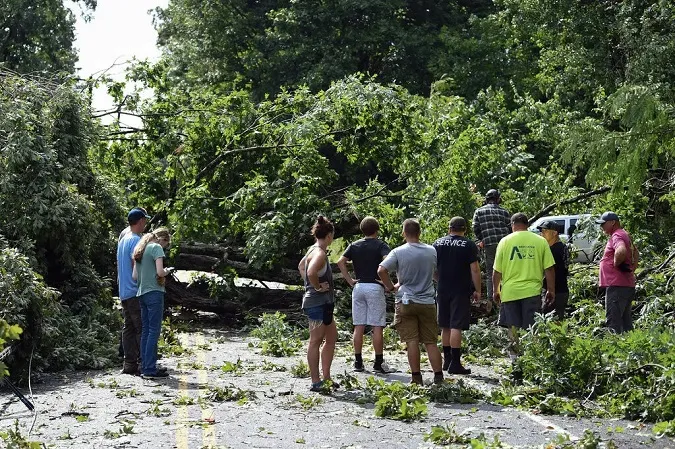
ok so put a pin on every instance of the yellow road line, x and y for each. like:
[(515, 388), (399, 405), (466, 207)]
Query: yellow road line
[(208, 431), (182, 430)]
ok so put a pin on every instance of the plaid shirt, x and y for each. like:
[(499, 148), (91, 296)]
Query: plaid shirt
[(491, 223)]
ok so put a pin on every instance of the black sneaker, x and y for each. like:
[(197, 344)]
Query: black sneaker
[(438, 379), (458, 369), (156, 375), (358, 366)]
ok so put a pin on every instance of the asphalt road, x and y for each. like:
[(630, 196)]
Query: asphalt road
[(121, 411)]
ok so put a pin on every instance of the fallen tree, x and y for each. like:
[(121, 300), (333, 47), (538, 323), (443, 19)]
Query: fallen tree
[(220, 259), (242, 301)]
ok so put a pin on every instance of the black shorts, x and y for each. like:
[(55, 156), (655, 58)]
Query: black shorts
[(519, 313), (454, 311)]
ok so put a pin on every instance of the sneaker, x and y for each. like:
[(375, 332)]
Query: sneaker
[(417, 379), (358, 366), (452, 369), (317, 386), (383, 368), (156, 375), (438, 379)]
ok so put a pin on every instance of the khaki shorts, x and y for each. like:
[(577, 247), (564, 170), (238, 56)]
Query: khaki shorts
[(416, 322)]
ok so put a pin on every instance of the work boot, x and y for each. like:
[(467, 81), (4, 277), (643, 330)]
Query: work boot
[(455, 364)]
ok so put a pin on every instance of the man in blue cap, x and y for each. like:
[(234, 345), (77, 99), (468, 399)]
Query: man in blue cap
[(617, 273), (131, 332)]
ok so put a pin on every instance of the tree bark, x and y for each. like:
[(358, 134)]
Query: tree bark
[(242, 301), (219, 259)]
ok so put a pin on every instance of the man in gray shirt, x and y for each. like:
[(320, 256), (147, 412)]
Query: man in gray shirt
[(415, 317)]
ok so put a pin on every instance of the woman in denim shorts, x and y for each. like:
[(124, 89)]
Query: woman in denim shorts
[(318, 302)]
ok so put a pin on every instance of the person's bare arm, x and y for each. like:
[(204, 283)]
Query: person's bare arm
[(550, 285), (159, 267), (475, 276), (342, 265), (315, 265), (134, 273), (496, 280), (620, 253), (384, 276), (301, 268)]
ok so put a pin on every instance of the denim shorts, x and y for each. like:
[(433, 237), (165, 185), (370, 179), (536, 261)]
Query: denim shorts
[(314, 313), (322, 313)]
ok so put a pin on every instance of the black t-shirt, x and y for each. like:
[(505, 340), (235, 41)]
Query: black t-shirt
[(454, 256), (561, 255), (366, 255)]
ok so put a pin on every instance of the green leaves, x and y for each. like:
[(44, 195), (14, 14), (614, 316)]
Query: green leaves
[(631, 374)]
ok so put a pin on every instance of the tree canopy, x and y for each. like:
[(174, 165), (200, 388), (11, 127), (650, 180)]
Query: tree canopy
[(263, 114)]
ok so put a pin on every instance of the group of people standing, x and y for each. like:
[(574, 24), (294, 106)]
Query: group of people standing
[(141, 278), (519, 265), (526, 273)]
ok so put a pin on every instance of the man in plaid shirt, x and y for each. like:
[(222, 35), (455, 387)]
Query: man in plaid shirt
[(490, 224)]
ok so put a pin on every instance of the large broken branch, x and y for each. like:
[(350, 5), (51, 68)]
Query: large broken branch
[(242, 301), (658, 268), (545, 211)]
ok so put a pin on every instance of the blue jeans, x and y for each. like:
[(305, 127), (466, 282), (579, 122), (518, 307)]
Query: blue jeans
[(152, 309)]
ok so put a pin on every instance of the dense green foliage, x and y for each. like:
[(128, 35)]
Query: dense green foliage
[(264, 114), (631, 375), (38, 36), (56, 217)]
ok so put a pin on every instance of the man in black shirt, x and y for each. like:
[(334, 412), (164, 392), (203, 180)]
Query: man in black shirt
[(457, 269), (550, 230), (368, 301)]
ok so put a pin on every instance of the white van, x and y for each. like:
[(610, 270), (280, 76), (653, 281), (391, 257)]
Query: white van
[(585, 240)]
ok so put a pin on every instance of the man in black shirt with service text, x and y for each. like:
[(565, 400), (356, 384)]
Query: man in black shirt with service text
[(457, 269)]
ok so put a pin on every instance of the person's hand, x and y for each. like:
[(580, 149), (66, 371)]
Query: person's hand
[(396, 287), (353, 282), (497, 298), (550, 298), (323, 287), (475, 298), (480, 244), (623, 266)]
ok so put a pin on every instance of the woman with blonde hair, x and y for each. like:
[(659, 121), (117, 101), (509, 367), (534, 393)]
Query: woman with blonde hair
[(318, 303), (149, 272)]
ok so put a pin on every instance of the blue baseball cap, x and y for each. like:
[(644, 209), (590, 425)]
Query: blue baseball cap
[(607, 216), (136, 214)]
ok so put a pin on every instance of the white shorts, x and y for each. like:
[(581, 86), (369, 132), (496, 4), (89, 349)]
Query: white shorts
[(369, 307)]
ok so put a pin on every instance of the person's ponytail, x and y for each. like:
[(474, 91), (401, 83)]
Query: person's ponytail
[(159, 233), (140, 246)]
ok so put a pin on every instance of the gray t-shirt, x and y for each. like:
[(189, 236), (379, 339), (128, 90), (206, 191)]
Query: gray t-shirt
[(414, 264)]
